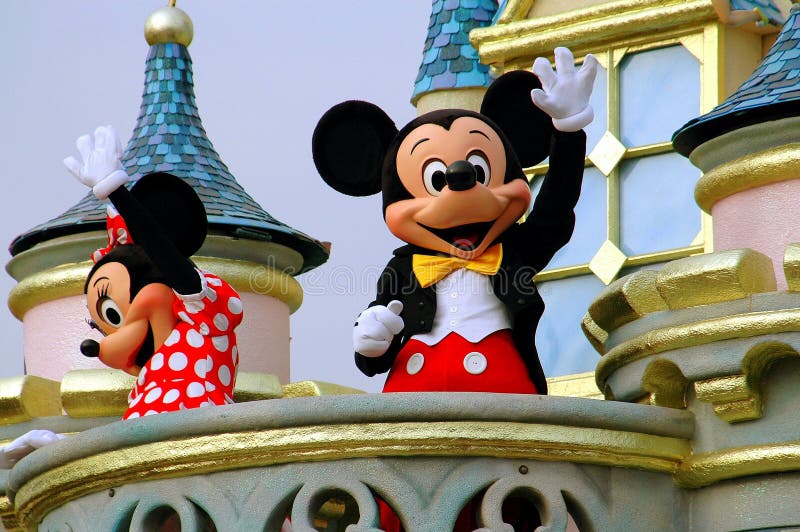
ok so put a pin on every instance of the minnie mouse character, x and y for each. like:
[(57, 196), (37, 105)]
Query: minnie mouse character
[(456, 308), (162, 319)]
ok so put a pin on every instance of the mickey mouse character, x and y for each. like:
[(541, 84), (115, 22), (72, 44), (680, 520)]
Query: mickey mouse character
[(163, 320), (456, 308)]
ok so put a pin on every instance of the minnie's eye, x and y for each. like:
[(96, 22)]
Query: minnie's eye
[(433, 176), (109, 312), (482, 170)]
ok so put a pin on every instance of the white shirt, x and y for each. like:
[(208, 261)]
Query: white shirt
[(466, 304)]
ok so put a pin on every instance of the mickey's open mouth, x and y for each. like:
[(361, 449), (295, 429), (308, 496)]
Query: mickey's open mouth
[(466, 237)]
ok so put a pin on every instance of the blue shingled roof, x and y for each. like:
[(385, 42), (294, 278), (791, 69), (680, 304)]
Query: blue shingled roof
[(767, 7), (770, 93), (448, 60), (169, 137)]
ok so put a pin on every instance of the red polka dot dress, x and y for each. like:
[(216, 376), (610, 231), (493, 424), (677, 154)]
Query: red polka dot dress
[(196, 366)]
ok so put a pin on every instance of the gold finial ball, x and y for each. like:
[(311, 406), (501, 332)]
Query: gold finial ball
[(168, 25)]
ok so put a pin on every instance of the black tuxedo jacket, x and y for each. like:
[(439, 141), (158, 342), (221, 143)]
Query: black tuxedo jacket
[(527, 248)]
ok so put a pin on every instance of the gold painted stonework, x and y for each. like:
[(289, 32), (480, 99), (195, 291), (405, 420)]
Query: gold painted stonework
[(596, 335), (218, 452), (695, 334), (665, 384), (316, 388), (9, 518), (168, 25), (732, 397), (27, 397), (791, 267), (627, 299), (715, 277), (747, 172), (705, 469), (607, 262), (68, 280), (577, 385), (589, 28)]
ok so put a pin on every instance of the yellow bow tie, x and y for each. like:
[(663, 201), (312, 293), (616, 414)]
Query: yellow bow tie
[(431, 269)]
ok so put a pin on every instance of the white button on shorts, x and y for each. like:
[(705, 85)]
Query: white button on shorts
[(415, 363), (475, 363)]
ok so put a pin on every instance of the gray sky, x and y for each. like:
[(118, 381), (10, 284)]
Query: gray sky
[(264, 73)]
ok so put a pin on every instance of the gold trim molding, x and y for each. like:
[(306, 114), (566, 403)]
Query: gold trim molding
[(627, 299), (26, 397), (587, 28), (705, 469), (219, 452), (68, 280), (791, 267), (749, 171), (695, 334)]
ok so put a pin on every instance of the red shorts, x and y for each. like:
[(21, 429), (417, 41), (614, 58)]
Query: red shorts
[(457, 365)]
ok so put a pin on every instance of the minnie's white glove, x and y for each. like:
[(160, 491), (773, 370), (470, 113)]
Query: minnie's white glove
[(375, 328), (25, 445), (565, 93), (101, 168)]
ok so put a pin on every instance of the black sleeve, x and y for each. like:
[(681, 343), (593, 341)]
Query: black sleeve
[(551, 221), (390, 287), (178, 270)]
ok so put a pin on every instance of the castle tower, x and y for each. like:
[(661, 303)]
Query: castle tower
[(451, 74), (747, 149), (256, 253)]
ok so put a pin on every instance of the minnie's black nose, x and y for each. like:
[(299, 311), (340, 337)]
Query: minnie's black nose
[(90, 348), (460, 175)]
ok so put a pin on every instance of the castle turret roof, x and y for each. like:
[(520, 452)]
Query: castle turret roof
[(449, 61), (770, 93), (169, 137)]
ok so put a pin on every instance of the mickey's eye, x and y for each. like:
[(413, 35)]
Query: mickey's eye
[(109, 312), (433, 176), (482, 170)]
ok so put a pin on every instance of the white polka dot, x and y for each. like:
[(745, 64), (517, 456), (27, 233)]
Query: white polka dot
[(235, 305), (171, 396), (150, 385), (221, 322), (194, 338), (133, 415), (152, 395), (178, 361), (157, 361), (228, 399), (210, 387), (224, 374), (150, 412), (213, 281), (182, 406), (211, 294), (142, 374), (193, 307), (235, 355), (200, 368), (173, 338), (195, 389), (135, 401), (204, 330), (209, 363), (185, 317), (221, 343)]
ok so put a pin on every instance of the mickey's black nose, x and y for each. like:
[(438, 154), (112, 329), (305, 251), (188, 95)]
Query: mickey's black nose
[(90, 348), (460, 175)]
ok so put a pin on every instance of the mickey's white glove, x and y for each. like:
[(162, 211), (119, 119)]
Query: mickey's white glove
[(376, 327), (25, 445), (565, 93), (101, 168)]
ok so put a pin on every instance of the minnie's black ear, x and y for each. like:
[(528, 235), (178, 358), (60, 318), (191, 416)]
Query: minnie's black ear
[(174, 204), (508, 103), (349, 145)]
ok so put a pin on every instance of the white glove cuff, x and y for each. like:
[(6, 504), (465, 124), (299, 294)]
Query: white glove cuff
[(575, 122), (110, 183)]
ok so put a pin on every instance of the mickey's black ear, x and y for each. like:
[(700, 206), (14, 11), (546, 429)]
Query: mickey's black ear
[(349, 145), (508, 103), (174, 204)]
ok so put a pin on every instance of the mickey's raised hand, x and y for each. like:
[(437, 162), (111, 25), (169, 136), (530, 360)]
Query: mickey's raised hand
[(565, 93), (100, 167)]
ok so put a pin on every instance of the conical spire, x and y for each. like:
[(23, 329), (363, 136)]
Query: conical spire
[(169, 137), (771, 92), (449, 61)]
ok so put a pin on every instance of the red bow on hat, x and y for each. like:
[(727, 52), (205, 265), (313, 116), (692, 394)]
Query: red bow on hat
[(118, 234)]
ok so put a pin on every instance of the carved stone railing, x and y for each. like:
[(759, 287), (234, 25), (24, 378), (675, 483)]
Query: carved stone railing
[(250, 466)]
